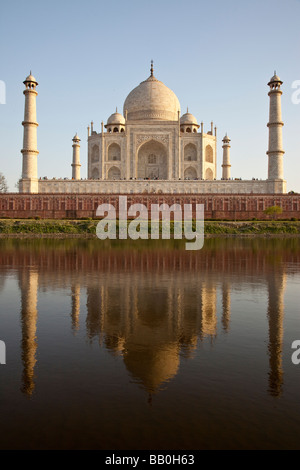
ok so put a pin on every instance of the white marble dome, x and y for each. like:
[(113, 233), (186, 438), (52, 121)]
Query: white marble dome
[(116, 118), (152, 100), (189, 118)]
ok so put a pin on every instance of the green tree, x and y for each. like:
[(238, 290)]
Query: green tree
[(273, 211), (3, 184)]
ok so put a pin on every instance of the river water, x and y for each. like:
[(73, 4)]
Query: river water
[(143, 345)]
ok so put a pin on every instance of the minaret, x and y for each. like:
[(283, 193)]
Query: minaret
[(29, 182), (226, 158), (275, 125), (76, 158)]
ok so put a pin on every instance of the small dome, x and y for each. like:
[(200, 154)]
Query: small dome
[(31, 78), (275, 78), (116, 118), (76, 137), (226, 138), (188, 118)]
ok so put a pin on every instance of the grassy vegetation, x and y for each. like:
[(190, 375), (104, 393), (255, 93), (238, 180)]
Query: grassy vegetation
[(254, 228), (88, 227)]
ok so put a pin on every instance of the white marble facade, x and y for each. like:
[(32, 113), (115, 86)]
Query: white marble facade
[(151, 140), (151, 150), (152, 147)]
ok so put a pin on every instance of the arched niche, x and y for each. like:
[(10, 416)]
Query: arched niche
[(190, 173), (114, 173), (209, 174), (209, 154), (95, 174), (95, 153), (190, 153), (114, 153)]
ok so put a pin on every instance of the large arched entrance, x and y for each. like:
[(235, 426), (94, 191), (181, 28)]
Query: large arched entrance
[(152, 161)]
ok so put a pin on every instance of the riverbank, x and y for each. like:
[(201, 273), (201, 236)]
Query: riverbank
[(87, 228)]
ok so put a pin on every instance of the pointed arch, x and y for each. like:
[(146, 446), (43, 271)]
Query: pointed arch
[(114, 173), (190, 153), (190, 173), (95, 174), (209, 154), (114, 153), (209, 174), (95, 153)]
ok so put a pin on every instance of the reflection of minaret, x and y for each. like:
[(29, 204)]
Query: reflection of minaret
[(94, 311), (75, 307), (29, 289), (226, 304), (276, 288), (209, 310), (106, 317)]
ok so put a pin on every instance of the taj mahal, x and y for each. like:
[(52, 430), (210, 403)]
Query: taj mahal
[(152, 148)]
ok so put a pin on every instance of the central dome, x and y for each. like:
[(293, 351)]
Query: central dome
[(152, 100)]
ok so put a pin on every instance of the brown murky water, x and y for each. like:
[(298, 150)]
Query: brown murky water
[(143, 345)]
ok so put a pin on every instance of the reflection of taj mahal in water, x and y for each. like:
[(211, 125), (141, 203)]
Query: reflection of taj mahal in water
[(169, 303), (152, 148)]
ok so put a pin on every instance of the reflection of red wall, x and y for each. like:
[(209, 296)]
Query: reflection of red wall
[(217, 206), (251, 257)]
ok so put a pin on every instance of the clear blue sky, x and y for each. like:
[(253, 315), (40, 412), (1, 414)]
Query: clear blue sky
[(87, 56)]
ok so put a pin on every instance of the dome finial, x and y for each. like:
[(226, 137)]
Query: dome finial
[(152, 68)]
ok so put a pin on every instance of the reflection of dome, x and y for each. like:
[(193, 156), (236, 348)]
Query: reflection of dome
[(188, 118), (152, 100), (152, 366), (116, 118)]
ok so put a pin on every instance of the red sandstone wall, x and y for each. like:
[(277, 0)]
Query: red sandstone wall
[(220, 206)]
